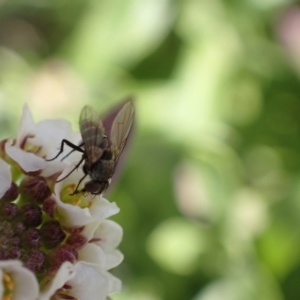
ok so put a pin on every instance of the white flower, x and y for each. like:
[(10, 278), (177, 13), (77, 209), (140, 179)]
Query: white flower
[(29, 162), (103, 237), (92, 282), (79, 210), (17, 282), (65, 273), (5, 177), (35, 142), (76, 244), (81, 281)]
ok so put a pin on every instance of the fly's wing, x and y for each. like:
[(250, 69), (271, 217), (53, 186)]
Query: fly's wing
[(120, 129), (92, 132), (109, 117)]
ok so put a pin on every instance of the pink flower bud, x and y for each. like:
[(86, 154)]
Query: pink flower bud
[(34, 189), (52, 234)]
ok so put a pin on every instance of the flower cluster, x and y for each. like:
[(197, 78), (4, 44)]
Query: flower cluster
[(53, 245)]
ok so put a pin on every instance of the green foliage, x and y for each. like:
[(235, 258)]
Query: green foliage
[(209, 196)]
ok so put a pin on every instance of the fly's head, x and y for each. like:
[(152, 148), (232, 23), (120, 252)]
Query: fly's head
[(95, 187)]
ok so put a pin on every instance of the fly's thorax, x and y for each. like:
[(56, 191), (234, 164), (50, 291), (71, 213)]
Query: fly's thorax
[(95, 152)]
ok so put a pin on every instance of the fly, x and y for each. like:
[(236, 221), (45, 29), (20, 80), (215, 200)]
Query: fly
[(101, 151)]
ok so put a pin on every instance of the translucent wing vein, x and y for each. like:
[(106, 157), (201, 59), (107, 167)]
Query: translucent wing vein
[(120, 129), (92, 132)]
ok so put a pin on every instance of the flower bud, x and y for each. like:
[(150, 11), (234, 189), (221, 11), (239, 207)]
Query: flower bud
[(73, 230), (62, 254), (4, 225), (49, 206), (3, 255), (76, 240), (15, 241), (11, 194), (34, 189), (9, 210), (35, 260), (52, 234), (4, 241), (31, 238), (14, 252), (19, 227), (8, 232), (31, 214)]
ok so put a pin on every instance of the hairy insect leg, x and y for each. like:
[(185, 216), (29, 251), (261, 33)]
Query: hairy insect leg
[(76, 190), (71, 145), (82, 158), (80, 145)]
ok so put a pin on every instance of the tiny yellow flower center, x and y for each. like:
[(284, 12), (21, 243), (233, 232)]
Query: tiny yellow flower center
[(8, 285), (28, 147), (77, 199)]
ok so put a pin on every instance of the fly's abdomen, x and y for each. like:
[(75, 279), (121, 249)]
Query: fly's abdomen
[(102, 170)]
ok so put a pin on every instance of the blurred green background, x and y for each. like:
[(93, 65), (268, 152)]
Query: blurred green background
[(210, 192)]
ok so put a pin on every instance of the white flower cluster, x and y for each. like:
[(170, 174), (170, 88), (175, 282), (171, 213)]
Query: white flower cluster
[(52, 245)]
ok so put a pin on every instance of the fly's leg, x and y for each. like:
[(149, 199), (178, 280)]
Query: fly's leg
[(80, 145), (82, 159), (71, 145), (76, 190)]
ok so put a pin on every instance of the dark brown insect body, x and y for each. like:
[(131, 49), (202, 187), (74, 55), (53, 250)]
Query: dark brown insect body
[(100, 172), (101, 151)]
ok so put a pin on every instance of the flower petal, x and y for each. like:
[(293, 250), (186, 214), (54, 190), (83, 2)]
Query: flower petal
[(86, 209), (26, 125), (115, 284), (104, 209), (89, 230), (29, 162), (109, 234), (113, 258), (25, 284), (92, 282), (93, 254), (71, 215), (5, 177), (65, 273), (105, 235), (53, 167), (50, 133)]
